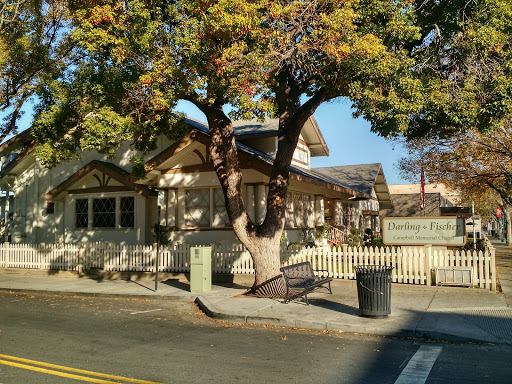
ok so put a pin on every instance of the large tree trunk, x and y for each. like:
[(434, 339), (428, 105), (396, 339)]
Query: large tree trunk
[(265, 253), (263, 240)]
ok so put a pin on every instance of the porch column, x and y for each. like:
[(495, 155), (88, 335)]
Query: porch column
[(251, 202), (338, 213), (319, 210), (261, 210)]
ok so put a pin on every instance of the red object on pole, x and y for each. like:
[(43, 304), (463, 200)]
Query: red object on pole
[(422, 191), (499, 212)]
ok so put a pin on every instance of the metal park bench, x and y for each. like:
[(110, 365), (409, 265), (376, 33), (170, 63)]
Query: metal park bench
[(301, 280)]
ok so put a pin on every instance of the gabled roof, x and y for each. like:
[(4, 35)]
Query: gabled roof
[(24, 154), (363, 178), (109, 169), (310, 132), (19, 141), (261, 157)]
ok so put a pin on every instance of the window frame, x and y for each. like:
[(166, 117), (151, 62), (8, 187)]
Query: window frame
[(117, 211), (96, 215), (84, 214), (187, 214), (121, 212), (214, 210)]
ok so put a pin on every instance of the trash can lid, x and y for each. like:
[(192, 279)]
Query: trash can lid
[(372, 268)]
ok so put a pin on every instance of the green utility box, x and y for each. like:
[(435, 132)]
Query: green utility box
[(200, 269)]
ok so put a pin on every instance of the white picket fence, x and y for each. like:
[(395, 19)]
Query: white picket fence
[(411, 265)]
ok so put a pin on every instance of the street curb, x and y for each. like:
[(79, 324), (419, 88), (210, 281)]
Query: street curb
[(215, 314), (416, 333)]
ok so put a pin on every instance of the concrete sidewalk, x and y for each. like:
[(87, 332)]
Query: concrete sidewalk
[(439, 313)]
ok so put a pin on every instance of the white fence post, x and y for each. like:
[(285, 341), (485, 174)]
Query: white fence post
[(428, 264), (492, 250), (81, 251)]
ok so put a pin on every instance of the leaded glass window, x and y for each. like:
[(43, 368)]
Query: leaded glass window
[(298, 208), (309, 217), (104, 213), (127, 214), (220, 216), (197, 207), (82, 213)]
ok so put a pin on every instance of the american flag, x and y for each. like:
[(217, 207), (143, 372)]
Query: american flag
[(422, 191)]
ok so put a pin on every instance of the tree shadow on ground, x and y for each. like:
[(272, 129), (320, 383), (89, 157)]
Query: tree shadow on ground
[(176, 283), (334, 306)]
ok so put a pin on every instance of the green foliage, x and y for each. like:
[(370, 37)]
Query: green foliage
[(138, 169), (321, 232), (34, 49), (354, 237), (160, 234), (406, 67), (370, 240), (283, 238), (377, 242), (470, 245)]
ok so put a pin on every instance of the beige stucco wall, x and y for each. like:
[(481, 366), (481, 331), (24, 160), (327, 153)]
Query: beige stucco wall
[(402, 189)]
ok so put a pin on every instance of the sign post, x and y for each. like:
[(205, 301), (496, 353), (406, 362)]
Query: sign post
[(160, 202)]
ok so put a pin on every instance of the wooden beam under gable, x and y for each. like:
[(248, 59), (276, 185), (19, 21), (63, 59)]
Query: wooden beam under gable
[(174, 149), (189, 169), (108, 172)]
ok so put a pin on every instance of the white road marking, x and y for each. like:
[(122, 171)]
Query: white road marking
[(132, 312), (418, 368)]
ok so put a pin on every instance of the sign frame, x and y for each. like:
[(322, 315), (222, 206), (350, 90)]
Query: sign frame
[(424, 218)]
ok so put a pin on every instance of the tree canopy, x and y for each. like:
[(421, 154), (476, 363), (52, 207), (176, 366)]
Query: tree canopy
[(33, 46), (408, 67), (471, 162)]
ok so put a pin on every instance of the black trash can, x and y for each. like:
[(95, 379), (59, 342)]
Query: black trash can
[(374, 290)]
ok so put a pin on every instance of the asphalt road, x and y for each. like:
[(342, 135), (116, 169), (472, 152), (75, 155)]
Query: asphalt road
[(56, 339)]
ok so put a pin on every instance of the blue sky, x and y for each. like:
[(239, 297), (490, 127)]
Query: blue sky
[(350, 140)]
